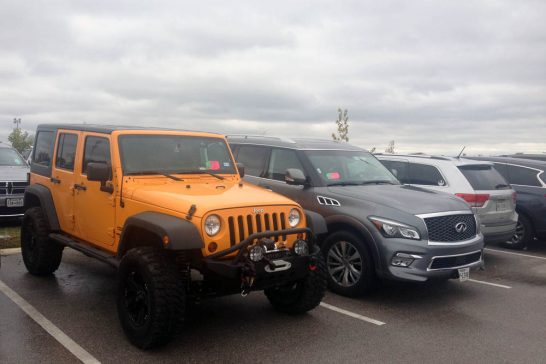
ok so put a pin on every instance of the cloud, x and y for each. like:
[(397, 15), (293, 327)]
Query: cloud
[(431, 75)]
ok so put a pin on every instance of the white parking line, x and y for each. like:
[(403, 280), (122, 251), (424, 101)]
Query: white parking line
[(48, 326), (10, 251), (512, 253), (351, 314), (489, 283)]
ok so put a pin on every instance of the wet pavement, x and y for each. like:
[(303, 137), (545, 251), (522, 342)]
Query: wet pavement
[(500, 316)]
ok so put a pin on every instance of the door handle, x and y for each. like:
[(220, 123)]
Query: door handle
[(80, 187), (55, 180)]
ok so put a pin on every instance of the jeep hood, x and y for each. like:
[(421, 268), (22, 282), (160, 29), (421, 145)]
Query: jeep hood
[(410, 199), (205, 196), (13, 173)]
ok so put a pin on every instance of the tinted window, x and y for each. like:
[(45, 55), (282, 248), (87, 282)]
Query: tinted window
[(483, 177), (177, 154), (253, 158), (42, 152), (501, 168), (543, 177), (398, 168), (97, 150), (523, 176), (66, 151), (280, 161), (10, 157), (422, 174)]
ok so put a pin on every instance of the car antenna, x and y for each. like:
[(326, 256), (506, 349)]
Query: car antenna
[(461, 153)]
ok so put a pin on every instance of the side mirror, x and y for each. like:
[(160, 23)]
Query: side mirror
[(241, 169), (99, 172), (294, 177)]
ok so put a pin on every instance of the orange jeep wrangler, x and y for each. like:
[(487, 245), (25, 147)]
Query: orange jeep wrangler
[(169, 209)]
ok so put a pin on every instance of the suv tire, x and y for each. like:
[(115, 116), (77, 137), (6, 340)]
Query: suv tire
[(41, 255), (523, 234), (151, 297), (302, 296), (349, 264)]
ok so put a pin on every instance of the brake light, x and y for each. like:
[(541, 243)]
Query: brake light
[(474, 199), (514, 197)]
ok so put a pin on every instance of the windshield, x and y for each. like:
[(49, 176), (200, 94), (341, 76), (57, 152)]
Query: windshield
[(341, 167), (9, 157), (156, 154)]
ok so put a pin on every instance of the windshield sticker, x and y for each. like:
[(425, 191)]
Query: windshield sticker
[(213, 165), (226, 164), (333, 175)]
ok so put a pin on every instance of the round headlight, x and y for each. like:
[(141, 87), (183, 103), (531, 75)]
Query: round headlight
[(301, 247), (294, 217), (256, 253), (212, 225)]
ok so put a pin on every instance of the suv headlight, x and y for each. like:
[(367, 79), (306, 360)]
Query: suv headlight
[(212, 225), (294, 217), (393, 229)]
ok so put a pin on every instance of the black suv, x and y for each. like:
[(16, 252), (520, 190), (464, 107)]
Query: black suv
[(528, 178), (376, 226)]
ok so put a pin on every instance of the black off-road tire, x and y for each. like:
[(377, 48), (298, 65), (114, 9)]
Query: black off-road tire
[(162, 294), (367, 280), (41, 255), (301, 296), (524, 234)]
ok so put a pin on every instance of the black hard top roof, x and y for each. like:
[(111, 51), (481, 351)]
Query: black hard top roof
[(532, 163), (108, 129), (292, 143)]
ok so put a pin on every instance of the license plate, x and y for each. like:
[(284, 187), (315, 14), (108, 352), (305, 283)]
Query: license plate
[(15, 202), (464, 274), (502, 205)]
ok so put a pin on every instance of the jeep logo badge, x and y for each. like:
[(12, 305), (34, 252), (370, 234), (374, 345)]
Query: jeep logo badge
[(257, 211), (460, 227)]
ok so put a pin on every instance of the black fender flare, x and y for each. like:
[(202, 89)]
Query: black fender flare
[(363, 231), (316, 223), (182, 234), (38, 193)]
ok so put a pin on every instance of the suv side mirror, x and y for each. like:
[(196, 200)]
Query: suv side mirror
[(294, 177), (99, 172), (241, 168)]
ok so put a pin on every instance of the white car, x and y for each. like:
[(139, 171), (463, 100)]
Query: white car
[(477, 182), (13, 182)]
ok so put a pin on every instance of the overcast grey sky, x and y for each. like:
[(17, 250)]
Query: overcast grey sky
[(432, 75)]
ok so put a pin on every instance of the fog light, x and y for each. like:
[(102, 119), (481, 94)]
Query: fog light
[(301, 247), (403, 259), (256, 253)]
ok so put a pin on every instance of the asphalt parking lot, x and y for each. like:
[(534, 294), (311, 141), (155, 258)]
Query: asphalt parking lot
[(498, 316)]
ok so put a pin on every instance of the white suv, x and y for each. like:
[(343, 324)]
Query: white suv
[(477, 182)]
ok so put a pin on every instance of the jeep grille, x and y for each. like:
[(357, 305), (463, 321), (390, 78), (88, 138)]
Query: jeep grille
[(240, 227), (442, 228)]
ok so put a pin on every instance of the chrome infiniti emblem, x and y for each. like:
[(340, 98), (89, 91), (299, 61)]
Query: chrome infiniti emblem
[(258, 211), (460, 227)]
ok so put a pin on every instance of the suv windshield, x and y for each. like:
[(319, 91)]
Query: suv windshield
[(345, 167), (157, 154), (484, 177), (9, 157)]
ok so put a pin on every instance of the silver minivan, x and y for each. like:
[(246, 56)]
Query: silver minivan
[(476, 182), (13, 182)]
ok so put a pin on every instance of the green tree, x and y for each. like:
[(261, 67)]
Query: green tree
[(20, 140), (342, 123)]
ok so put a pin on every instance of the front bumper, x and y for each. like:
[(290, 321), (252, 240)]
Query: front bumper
[(11, 212), (439, 261), (283, 268)]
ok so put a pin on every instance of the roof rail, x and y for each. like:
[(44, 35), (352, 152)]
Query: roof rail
[(288, 140), (428, 156)]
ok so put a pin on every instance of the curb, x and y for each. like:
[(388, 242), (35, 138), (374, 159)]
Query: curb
[(10, 251)]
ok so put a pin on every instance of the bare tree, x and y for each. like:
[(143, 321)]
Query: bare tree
[(390, 148), (342, 123)]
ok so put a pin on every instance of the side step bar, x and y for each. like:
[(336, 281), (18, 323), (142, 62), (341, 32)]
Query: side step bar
[(85, 249)]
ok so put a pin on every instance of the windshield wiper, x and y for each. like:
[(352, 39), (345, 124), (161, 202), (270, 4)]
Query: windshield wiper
[(377, 182), (344, 184), (141, 173), (502, 185)]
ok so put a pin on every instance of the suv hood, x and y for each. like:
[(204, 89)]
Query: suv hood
[(205, 196), (410, 199), (13, 173)]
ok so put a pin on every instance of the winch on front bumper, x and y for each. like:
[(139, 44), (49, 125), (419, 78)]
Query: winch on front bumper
[(261, 262)]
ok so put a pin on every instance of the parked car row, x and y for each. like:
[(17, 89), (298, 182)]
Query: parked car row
[(190, 215)]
